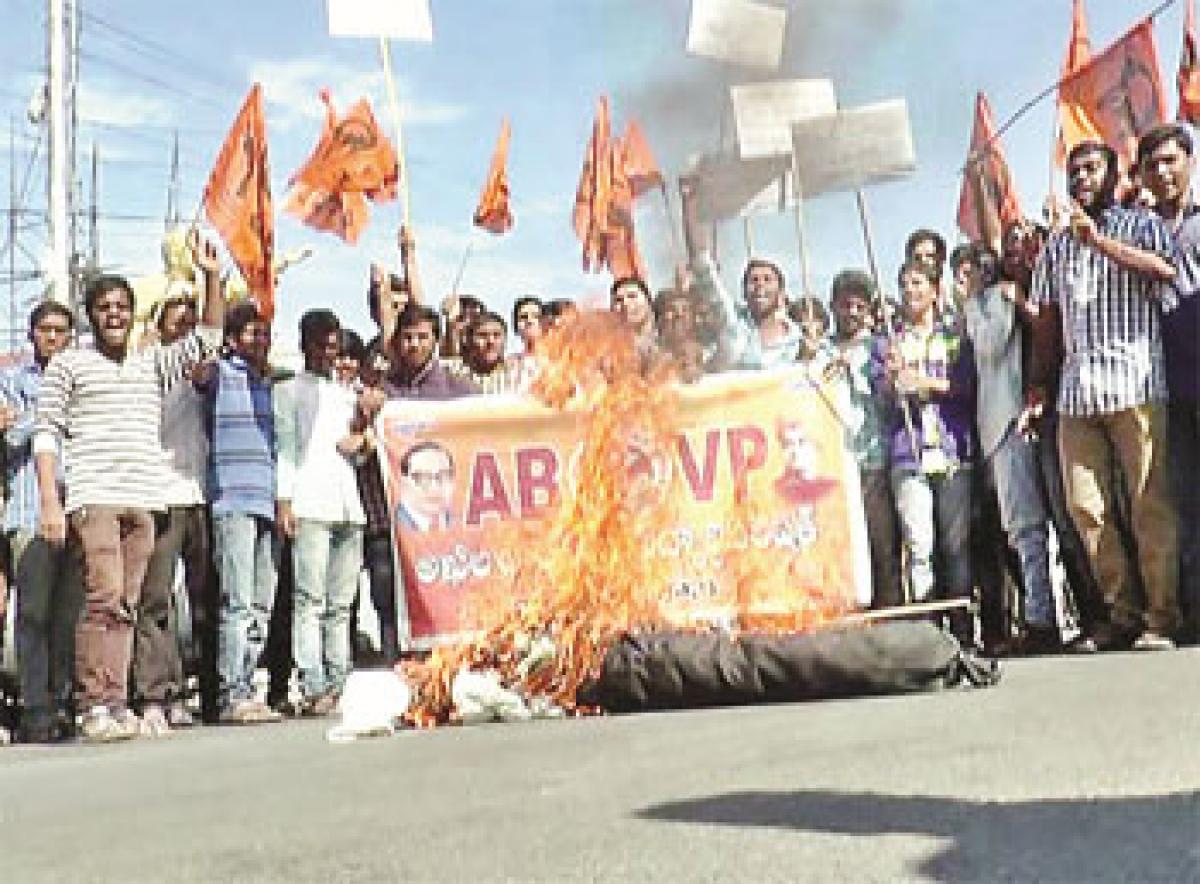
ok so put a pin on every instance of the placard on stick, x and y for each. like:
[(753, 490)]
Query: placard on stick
[(763, 113), (854, 148), (737, 31), (395, 19), (728, 187)]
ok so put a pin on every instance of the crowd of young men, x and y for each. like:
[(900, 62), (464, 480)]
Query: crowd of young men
[(1043, 398)]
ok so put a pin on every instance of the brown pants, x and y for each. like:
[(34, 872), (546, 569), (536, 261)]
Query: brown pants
[(116, 544), (1135, 441)]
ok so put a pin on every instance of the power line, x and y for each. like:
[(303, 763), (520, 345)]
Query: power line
[(150, 79)]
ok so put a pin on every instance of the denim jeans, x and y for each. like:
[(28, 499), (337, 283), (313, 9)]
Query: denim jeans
[(327, 558), (49, 593), (378, 558), (880, 510), (935, 519), (1014, 472), (247, 554)]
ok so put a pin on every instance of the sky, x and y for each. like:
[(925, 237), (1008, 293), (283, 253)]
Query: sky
[(149, 69)]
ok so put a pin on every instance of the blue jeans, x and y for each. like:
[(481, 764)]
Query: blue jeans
[(247, 554), (327, 558), (1013, 470), (935, 519)]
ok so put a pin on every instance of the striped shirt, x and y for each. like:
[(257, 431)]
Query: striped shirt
[(1112, 336), (241, 430), (502, 379), (107, 417)]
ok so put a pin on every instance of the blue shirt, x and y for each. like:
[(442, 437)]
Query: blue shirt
[(241, 430), (1181, 312), (19, 386)]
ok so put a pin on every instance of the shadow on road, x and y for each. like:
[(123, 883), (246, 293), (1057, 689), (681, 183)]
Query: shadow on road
[(1144, 839)]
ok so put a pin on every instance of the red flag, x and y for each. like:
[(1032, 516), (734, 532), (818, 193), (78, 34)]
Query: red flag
[(1189, 70), (237, 201), (352, 162), (988, 200), (493, 213), (1119, 93), (1079, 53)]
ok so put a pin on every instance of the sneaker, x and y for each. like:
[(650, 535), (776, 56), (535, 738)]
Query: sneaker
[(178, 716), (102, 726), (1152, 641), (154, 721), (248, 711)]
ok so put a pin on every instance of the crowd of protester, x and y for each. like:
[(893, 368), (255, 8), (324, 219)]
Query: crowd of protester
[(1024, 421)]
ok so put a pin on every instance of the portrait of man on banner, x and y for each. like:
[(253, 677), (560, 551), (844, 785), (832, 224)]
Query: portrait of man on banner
[(426, 488)]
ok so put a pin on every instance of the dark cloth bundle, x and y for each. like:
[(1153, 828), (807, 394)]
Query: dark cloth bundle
[(676, 670)]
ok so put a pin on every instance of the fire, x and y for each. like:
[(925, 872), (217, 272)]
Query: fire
[(591, 570)]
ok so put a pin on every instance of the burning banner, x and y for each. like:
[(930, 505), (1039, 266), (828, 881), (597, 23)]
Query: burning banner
[(753, 469)]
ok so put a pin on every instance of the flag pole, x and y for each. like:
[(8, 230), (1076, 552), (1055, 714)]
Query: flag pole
[(801, 238), (462, 267), (748, 236), (676, 246), (888, 330), (385, 56)]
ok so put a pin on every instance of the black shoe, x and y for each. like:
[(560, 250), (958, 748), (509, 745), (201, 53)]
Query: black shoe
[(39, 730), (1112, 638), (1040, 640)]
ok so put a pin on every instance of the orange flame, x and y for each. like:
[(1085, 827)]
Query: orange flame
[(588, 572)]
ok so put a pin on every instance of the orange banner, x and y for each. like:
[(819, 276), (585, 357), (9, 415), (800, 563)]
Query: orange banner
[(460, 475)]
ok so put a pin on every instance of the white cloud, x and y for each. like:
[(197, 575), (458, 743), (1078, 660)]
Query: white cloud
[(291, 87), (108, 105)]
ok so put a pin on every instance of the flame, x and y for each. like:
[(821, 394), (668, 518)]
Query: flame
[(587, 572)]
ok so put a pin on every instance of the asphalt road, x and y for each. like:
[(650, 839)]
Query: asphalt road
[(1071, 770)]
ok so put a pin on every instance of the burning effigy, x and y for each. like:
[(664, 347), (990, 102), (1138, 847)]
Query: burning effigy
[(585, 612)]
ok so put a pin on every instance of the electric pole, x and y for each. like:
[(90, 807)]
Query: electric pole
[(62, 52)]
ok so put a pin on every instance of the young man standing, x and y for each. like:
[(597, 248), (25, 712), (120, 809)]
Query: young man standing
[(1102, 279), (103, 408), (320, 509), (483, 363), (241, 431), (1165, 159), (48, 591), (158, 672)]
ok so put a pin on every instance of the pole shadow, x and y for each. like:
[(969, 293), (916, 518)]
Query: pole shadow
[(1153, 838)]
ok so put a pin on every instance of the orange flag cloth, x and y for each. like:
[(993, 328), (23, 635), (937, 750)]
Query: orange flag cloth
[(493, 212), (1119, 93), (237, 201), (1189, 70), (351, 163), (593, 196), (1079, 53), (988, 199)]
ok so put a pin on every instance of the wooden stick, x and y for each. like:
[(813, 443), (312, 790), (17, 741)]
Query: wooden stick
[(385, 56), (801, 240), (914, 610), (676, 243), (890, 332), (462, 267), (748, 235)]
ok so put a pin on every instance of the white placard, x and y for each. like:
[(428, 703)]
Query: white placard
[(396, 19), (737, 31), (763, 113), (727, 187), (848, 150)]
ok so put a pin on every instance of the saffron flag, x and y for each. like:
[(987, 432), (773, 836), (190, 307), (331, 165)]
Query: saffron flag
[(352, 162), (237, 201), (988, 200), (639, 167), (493, 213), (1070, 118), (1119, 92), (593, 196), (1189, 70)]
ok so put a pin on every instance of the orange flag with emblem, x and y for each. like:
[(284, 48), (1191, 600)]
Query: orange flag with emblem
[(593, 196), (1189, 70), (1070, 118), (493, 212), (237, 201), (1119, 93), (988, 199), (638, 163), (352, 162)]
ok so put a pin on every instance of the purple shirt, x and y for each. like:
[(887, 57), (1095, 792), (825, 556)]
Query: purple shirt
[(939, 420), (432, 382), (1181, 313)]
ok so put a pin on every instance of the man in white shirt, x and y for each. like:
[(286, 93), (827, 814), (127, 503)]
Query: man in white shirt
[(320, 509)]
